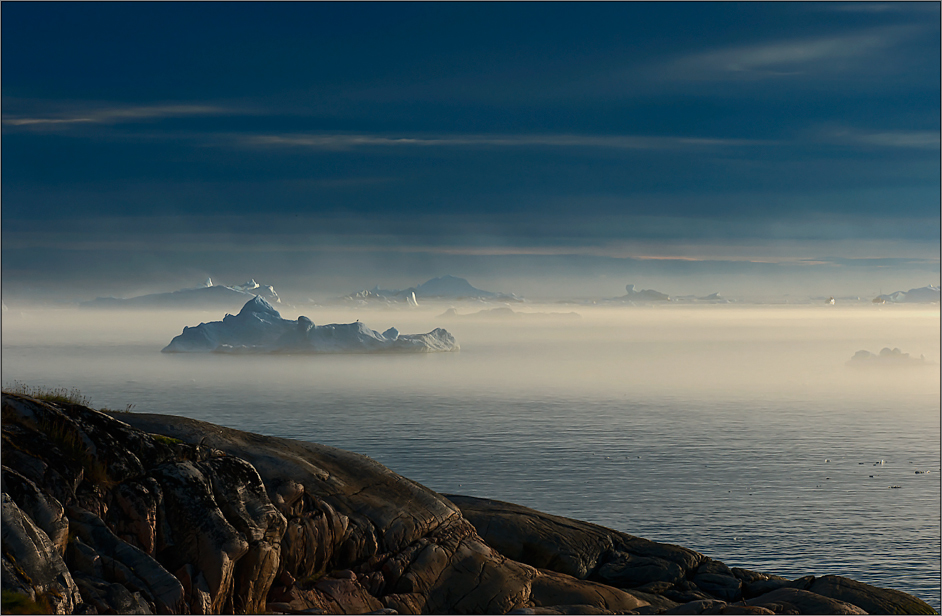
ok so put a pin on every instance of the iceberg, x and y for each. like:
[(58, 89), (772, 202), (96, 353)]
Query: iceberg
[(451, 286), (635, 296), (259, 328), (505, 312), (923, 295), (207, 295), (714, 297), (442, 288), (645, 295), (887, 357)]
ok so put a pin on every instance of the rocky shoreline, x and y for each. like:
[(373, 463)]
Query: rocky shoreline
[(133, 514)]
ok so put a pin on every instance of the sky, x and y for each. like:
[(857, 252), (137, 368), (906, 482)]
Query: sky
[(562, 148)]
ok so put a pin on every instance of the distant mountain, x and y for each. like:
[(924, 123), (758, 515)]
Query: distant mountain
[(207, 295), (446, 287), (922, 295)]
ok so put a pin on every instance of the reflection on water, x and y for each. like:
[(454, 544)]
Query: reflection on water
[(737, 432)]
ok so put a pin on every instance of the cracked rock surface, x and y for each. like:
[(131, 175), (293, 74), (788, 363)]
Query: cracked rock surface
[(139, 514)]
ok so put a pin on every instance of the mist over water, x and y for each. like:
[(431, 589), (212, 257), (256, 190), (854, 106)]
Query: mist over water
[(737, 431)]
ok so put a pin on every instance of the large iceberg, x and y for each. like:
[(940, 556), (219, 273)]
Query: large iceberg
[(259, 328), (207, 295)]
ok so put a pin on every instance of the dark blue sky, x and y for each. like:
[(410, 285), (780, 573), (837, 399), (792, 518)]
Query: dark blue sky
[(383, 142)]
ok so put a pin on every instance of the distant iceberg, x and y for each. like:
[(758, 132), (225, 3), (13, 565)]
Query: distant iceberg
[(887, 357), (207, 295), (442, 288), (508, 313), (259, 328), (712, 298), (645, 295), (923, 295)]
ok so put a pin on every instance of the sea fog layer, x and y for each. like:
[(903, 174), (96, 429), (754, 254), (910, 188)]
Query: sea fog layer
[(737, 431), (730, 351)]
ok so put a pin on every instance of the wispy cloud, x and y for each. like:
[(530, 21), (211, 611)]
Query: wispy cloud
[(110, 115), (903, 139), (786, 57), (628, 142), (913, 139), (876, 7)]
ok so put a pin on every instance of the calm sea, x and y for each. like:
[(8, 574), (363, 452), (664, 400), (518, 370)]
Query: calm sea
[(737, 432)]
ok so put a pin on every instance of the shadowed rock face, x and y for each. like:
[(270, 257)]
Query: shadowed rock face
[(579, 549), (145, 514)]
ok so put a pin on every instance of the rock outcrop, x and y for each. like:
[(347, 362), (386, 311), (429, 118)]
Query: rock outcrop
[(133, 513)]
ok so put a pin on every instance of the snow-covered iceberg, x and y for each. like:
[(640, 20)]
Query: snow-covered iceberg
[(259, 328), (207, 295)]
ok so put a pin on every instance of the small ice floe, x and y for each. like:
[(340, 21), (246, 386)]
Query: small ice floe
[(895, 487)]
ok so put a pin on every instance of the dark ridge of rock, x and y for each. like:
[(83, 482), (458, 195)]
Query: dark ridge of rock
[(31, 564), (579, 549), (871, 598), (796, 601), (144, 514), (44, 510)]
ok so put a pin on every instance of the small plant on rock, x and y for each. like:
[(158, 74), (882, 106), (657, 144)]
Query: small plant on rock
[(61, 395)]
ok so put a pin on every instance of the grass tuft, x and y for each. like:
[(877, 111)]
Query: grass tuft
[(127, 409), (61, 395), (166, 440), (18, 603)]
